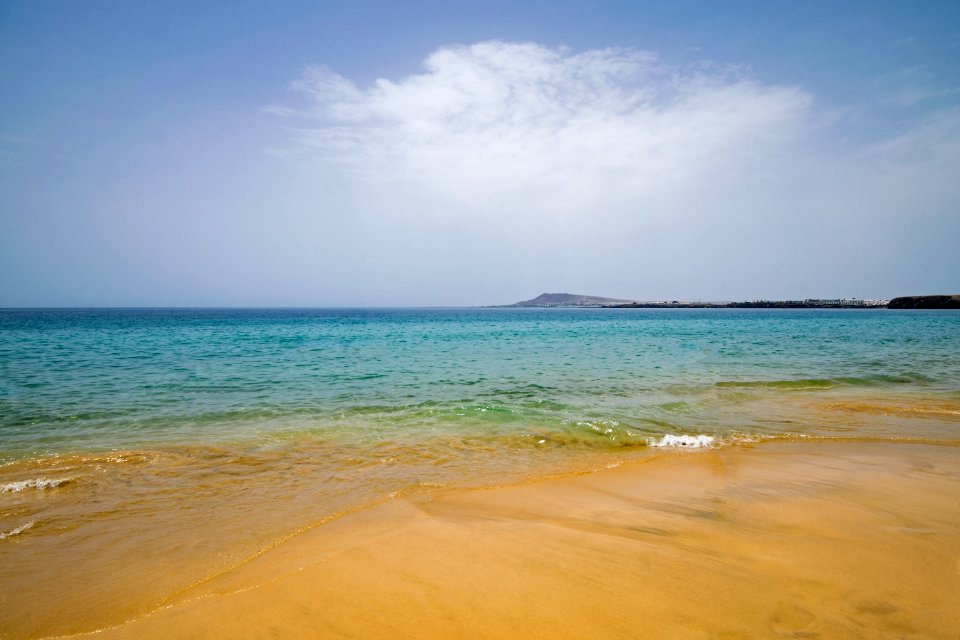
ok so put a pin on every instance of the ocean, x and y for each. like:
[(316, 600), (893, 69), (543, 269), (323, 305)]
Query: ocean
[(203, 437)]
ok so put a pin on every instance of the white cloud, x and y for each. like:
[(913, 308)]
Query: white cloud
[(499, 123)]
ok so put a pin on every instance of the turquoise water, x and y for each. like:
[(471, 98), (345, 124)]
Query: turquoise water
[(90, 380), (137, 441)]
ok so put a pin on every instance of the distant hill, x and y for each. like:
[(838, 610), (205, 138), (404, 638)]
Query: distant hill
[(566, 300)]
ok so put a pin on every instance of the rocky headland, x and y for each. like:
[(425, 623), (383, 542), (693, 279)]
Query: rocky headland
[(926, 302)]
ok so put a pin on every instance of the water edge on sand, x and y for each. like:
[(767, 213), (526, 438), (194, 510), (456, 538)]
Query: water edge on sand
[(780, 539)]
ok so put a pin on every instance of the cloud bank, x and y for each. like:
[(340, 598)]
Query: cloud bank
[(523, 125)]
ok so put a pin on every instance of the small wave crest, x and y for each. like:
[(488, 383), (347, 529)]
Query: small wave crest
[(786, 385), (804, 384), (689, 442), (35, 483), (15, 532)]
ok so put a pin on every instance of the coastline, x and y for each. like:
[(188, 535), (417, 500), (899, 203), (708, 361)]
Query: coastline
[(575, 301), (780, 539), (174, 466)]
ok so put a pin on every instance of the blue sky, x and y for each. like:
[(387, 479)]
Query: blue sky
[(295, 153)]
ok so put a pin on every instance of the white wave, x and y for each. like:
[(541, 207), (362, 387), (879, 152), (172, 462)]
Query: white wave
[(15, 532), (36, 483), (690, 442)]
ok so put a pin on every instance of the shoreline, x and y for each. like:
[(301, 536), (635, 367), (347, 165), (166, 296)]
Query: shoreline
[(794, 539)]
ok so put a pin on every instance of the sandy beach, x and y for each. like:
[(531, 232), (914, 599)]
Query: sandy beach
[(794, 539)]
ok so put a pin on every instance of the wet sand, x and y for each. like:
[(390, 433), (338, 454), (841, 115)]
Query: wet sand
[(794, 539)]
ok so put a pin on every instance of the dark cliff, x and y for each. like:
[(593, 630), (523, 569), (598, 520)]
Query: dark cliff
[(925, 302)]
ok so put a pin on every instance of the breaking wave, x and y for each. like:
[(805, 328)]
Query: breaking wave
[(36, 483), (690, 442)]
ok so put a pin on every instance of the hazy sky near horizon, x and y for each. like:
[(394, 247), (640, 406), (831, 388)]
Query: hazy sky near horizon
[(428, 153)]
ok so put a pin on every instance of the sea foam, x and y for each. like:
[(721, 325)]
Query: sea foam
[(15, 532), (36, 483), (691, 442)]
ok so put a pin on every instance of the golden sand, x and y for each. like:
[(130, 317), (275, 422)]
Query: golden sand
[(797, 540)]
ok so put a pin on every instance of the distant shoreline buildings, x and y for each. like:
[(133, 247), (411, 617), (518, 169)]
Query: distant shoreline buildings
[(814, 303)]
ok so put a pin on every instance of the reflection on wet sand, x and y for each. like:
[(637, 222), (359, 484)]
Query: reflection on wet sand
[(784, 539)]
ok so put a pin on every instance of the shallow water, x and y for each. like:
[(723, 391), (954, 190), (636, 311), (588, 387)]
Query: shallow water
[(202, 437)]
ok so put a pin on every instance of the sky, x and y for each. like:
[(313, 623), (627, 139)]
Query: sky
[(443, 154)]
